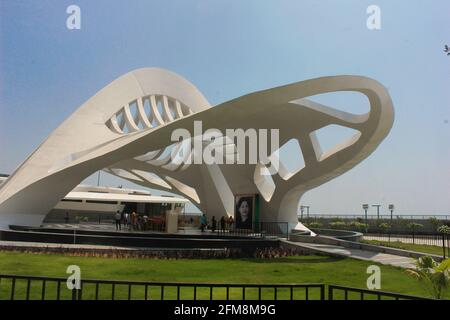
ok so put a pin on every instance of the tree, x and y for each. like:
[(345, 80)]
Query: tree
[(444, 229), (434, 222), (434, 276), (383, 227), (414, 226)]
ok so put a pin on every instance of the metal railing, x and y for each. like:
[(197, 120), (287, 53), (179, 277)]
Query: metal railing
[(13, 287), (383, 223), (260, 229), (279, 229), (438, 240), (349, 293), (374, 216)]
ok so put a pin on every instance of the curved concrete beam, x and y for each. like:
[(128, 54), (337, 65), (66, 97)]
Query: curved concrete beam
[(90, 140)]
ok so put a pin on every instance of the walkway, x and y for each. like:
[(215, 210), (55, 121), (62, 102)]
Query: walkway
[(383, 258), (425, 240)]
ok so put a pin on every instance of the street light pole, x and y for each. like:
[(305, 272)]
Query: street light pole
[(365, 207), (301, 212), (391, 208), (378, 210)]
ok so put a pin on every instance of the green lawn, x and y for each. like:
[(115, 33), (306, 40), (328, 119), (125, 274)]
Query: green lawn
[(298, 269), (408, 246)]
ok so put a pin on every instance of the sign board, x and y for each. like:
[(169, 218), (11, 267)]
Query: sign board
[(246, 211)]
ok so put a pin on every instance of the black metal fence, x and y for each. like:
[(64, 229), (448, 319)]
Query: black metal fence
[(399, 224), (279, 229), (349, 293), (260, 229), (439, 240), (444, 217), (13, 287)]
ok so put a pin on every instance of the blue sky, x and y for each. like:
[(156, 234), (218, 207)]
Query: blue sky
[(229, 48)]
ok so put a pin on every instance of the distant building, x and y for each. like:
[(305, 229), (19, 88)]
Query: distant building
[(100, 203)]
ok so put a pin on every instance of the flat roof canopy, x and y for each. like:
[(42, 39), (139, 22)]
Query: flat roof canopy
[(96, 196)]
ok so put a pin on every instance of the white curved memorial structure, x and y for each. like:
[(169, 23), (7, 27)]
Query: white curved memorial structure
[(125, 129)]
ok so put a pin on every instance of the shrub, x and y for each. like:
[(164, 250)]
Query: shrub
[(356, 225), (262, 253), (383, 227), (81, 219), (337, 225), (314, 225)]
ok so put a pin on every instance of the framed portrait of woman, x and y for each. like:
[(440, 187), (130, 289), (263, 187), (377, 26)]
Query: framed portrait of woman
[(244, 211)]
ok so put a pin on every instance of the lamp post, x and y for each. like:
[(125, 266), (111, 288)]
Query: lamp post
[(378, 210), (365, 207), (391, 208), (301, 212)]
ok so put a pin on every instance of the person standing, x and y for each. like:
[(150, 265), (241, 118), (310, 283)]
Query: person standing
[(213, 224), (230, 222), (222, 223), (118, 218), (126, 217), (139, 223), (203, 222), (145, 223), (133, 221)]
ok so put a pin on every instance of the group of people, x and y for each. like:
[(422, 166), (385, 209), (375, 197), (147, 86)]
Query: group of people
[(225, 223), (133, 221), (136, 222)]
